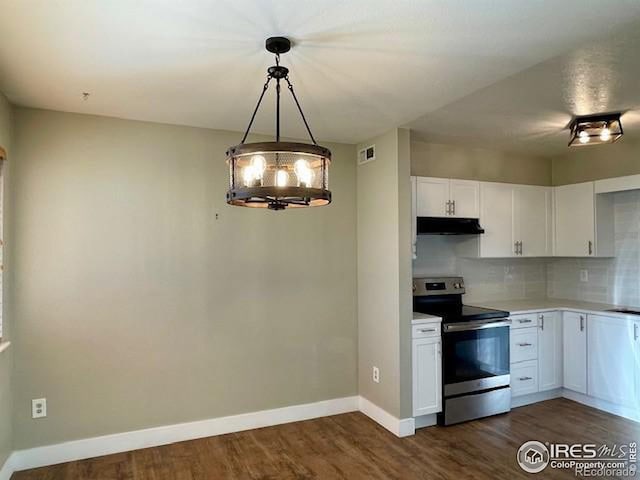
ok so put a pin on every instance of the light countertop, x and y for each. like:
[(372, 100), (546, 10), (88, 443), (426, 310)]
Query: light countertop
[(548, 304), (423, 318)]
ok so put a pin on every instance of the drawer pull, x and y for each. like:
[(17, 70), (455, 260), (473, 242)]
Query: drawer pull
[(524, 344), (425, 330), (525, 320), (524, 379)]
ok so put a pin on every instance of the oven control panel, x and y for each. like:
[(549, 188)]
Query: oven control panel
[(438, 286)]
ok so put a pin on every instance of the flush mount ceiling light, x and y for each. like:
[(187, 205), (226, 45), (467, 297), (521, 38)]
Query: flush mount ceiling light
[(595, 129), (278, 174)]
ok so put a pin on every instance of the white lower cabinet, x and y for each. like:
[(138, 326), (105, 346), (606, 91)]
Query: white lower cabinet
[(427, 374), (524, 378), (613, 356), (524, 344), (550, 351), (536, 352), (574, 331)]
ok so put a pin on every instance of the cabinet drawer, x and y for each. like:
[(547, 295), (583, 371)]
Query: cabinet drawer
[(524, 345), (524, 321), (425, 330), (524, 378)]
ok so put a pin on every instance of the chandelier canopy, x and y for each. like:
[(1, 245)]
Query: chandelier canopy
[(278, 174)]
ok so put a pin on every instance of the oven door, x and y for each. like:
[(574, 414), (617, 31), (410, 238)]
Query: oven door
[(475, 356)]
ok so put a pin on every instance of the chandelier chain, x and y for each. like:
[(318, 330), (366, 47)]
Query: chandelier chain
[(295, 98), (255, 111)]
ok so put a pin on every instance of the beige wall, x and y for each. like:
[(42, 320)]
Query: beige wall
[(405, 257), (453, 161), (597, 162), (384, 270), (6, 430), (135, 307)]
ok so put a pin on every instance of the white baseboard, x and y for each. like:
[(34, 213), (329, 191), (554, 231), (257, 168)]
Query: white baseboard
[(399, 427), (8, 468), (152, 437), (626, 412)]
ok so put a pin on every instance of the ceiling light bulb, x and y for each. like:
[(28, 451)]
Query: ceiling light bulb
[(249, 175), (303, 172), (583, 137), (259, 164), (282, 178), (605, 135)]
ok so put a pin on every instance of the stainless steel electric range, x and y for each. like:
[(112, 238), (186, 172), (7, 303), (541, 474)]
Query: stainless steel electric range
[(475, 351)]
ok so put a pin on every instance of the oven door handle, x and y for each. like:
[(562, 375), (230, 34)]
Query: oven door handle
[(462, 327)]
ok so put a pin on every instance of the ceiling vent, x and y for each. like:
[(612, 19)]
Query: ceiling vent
[(367, 155)]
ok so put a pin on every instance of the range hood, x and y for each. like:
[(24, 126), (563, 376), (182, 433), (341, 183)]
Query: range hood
[(448, 226)]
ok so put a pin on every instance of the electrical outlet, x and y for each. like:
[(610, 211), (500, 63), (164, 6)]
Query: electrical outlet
[(38, 408), (376, 374), (584, 275)]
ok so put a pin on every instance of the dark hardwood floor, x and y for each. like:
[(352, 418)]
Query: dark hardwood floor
[(351, 446)]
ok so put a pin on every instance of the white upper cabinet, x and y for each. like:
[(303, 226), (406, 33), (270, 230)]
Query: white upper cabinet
[(432, 197), (574, 334), (613, 360), (533, 220), (550, 361), (442, 197), (517, 220), (575, 220), (464, 195), (496, 217)]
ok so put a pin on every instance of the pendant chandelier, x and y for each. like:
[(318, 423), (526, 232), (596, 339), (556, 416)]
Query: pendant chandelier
[(277, 175)]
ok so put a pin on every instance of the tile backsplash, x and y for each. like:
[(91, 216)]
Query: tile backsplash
[(608, 280), (485, 279)]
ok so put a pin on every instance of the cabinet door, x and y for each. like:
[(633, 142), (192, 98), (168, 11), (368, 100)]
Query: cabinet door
[(574, 340), (550, 351), (612, 360), (465, 195), (575, 220), (496, 217), (427, 376), (532, 222), (432, 196)]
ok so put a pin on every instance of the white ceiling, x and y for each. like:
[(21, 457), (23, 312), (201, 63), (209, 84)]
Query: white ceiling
[(360, 67)]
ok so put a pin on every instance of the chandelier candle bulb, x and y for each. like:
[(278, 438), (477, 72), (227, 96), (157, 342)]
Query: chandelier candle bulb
[(260, 172)]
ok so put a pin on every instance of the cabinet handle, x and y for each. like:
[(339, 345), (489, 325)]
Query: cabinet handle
[(635, 331), (582, 323), (515, 247), (541, 322), (448, 207), (453, 204), (525, 320), (425, 330), (524, 344), (590, 247), (522, 379), (520, 247)]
